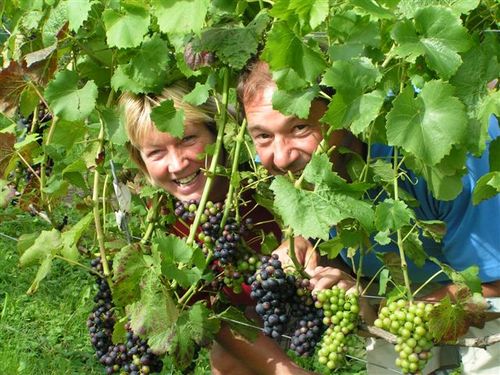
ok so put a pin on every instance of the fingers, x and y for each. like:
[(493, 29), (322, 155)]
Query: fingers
[(327, 277)]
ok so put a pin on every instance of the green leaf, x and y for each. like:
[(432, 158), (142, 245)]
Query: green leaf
[(239, 323), (57, 18), (330, 206), (174, 249), (438, 35), (126, 28), (47, 244), (487, 186), (331, 248), (288, 80), (71, 237), (180, 16), (392, 215), (202, 326), (235, 45), (182, 348), (67, 100), (78, 12), (168, 119), (186, 277), (295, 103), (155, 315), (147, 69), (28, 101), (430, 124), (115, 132), (41, 274), (373, 9), (383, 238), (198, 95), (282, 49), (307, 12), (129, 267), (469, 277), (494, 155), (413, 248)]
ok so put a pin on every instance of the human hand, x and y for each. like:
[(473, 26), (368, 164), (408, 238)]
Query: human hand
[(306, 255), (327, 277)]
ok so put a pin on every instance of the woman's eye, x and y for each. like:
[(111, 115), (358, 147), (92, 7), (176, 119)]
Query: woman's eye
[(188, 138)]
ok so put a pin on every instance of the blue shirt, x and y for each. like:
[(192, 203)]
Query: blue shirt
[(472, 232)]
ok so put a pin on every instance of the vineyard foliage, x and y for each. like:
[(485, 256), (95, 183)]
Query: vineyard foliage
[(419, 75)]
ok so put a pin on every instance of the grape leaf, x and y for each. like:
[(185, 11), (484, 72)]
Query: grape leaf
[(173, 250), (468, 277), (331, 205), (198, 95), (436, 34), (147, 68), (430, 124), (331, 248), (71, 237), (295, 103), (351, 105), (287, 79), (239, 323), (412, 246), (392, 262), (392, 215), (42, 272), (494, 156), (182, 348), (168, 119), (180, 16), (55, 23), (373, 9), (155, 315), (67, 100), (235, 45), (126, 28), (128, 269), (447, 321), (281, 51), (78, 12), (307, 12), (383, 237), (47, 244), (487, 186), (8, 157), (202, 326)]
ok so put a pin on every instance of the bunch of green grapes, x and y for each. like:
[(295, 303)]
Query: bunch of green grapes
[(410, 323), (341, 314)]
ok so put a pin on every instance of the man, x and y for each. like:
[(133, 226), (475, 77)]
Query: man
[(286, 143)]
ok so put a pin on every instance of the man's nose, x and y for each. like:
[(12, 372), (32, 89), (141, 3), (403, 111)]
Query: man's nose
[(284, 155)]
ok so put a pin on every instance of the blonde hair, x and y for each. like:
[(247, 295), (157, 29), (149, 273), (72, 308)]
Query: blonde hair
[(136, 111)]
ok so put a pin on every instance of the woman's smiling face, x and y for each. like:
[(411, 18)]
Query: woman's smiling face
[(175, 164)]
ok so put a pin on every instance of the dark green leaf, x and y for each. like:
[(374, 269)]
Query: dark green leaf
[(67, 100), (295, 103), (392, 215), (239, 323)]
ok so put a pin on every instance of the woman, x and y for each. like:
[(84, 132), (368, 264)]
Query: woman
[(174, 164)]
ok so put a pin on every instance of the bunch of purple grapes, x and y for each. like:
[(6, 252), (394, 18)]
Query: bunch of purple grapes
[(134, 356)]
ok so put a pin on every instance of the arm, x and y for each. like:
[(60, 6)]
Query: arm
[(263, 356), (488, 289)]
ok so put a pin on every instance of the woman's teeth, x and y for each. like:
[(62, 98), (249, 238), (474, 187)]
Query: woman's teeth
[(188, 179)]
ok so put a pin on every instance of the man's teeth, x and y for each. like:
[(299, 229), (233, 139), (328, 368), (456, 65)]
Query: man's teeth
[(188, 179)]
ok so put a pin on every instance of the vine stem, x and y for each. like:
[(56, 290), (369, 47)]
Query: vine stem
[(210, 177), (291, 252), (43, 173), (427, 282), (404, 265), (213, 163), (70, 261), (151, 218), (234, 170), (95, 199)]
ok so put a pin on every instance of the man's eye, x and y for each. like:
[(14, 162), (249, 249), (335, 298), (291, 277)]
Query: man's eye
[(301, 127), (262, 136)]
